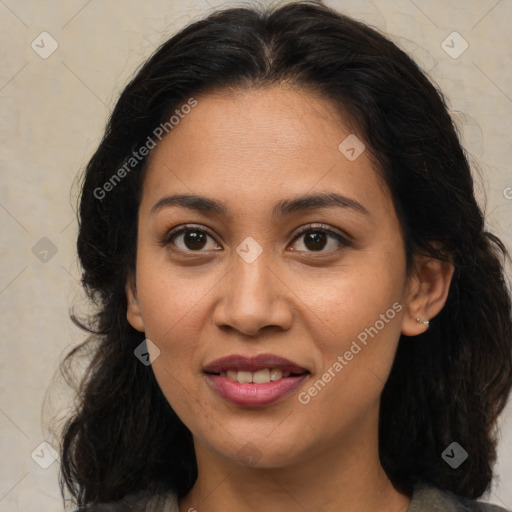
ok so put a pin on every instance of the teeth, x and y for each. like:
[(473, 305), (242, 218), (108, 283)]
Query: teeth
[(276, 374), (259, 377), (245, 377)]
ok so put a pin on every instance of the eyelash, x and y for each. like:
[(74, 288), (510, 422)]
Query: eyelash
[(312, 228)]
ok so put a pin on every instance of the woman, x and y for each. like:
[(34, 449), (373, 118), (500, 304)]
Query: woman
[(299, 307)]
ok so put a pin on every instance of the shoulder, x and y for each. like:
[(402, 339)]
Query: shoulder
[(427, 498), (139, 502)]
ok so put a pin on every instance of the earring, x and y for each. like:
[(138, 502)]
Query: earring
[(424, 322)]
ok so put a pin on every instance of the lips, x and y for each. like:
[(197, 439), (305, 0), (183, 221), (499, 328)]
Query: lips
[(253, 364), (254, 381)]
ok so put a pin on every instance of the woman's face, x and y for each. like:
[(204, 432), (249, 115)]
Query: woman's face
[(242, 280)]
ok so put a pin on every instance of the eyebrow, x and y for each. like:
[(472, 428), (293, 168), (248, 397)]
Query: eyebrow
[(281, 209)]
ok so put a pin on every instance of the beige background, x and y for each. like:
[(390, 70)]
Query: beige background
[(53, 112)]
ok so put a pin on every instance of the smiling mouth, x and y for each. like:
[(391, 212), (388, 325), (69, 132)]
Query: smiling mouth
[(254, 380), (262, 376)]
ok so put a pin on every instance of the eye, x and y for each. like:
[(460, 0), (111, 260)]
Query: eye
[(191, 239), (315, 238)]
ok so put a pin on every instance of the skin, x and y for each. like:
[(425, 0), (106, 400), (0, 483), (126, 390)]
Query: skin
[(248, 150)]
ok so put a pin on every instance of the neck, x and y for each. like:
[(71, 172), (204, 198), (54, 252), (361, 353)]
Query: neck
[(342, 479)]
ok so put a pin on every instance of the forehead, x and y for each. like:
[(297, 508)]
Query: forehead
[(262, 143)]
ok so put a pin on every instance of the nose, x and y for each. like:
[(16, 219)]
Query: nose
[(253, 297)]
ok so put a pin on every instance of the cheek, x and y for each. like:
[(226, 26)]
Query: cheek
[(355, 296), (174, 326), (169, 296), (356, 355), (361, 323), (172, 321), (168, 312)]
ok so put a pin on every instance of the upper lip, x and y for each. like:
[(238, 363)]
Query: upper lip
[(253, 364)]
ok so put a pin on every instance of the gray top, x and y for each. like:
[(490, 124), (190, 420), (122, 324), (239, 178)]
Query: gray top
[(430, 499), (425, 498)]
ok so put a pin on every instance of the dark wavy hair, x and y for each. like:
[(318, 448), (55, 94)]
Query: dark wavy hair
[(448, 384)]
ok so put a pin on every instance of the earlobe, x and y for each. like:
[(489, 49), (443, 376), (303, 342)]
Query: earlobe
[(133, 310), (428, 291)]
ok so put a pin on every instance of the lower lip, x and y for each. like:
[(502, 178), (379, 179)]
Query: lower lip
[(255, 395)]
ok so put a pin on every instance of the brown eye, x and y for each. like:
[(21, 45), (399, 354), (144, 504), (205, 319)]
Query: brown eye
[(194, 240), (191, 239), (316, 239)]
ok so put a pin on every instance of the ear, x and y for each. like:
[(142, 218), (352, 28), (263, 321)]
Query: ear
[(428, 290), (133, 310)]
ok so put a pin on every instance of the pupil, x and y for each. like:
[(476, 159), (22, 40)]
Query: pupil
[(195, 239), (315, 241)]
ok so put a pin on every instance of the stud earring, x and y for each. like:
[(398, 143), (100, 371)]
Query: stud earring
[(424, 322)]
